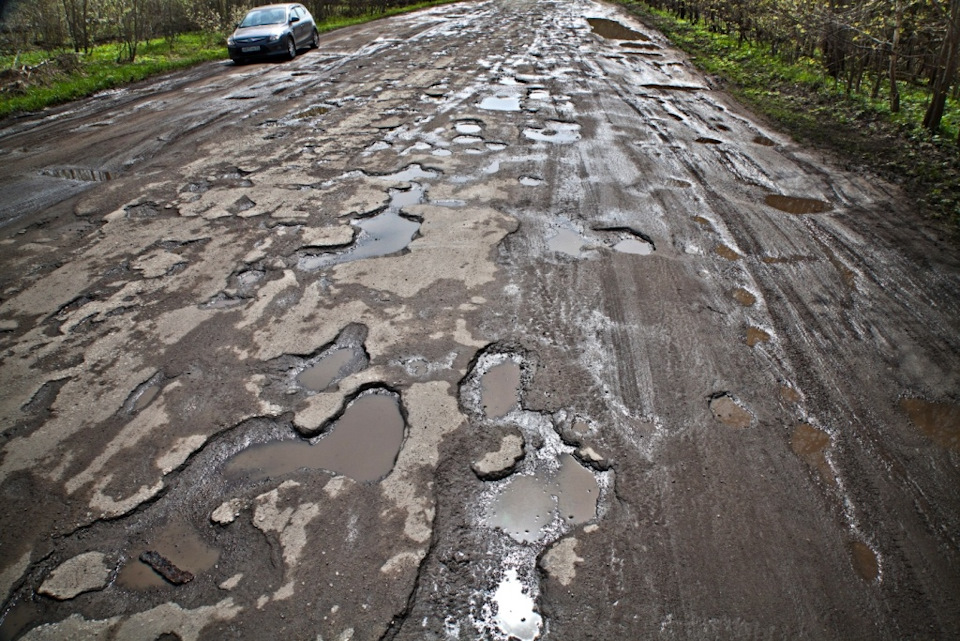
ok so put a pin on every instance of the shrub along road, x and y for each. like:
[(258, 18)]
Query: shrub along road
[(448, 330)]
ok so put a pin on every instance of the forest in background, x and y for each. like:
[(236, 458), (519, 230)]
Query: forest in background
[(874, 47)]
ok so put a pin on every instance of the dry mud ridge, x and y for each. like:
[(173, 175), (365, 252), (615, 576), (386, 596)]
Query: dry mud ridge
[(493, 321)]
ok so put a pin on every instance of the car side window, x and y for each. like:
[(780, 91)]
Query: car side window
[(296, 12)]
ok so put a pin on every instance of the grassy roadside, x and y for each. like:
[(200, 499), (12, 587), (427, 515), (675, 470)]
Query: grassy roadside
[(801, 101), (61, 76)]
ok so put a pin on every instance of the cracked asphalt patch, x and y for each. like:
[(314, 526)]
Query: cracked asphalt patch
[(496, 320)]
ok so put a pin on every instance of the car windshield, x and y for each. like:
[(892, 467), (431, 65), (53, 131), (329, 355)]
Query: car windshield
[(259, 17)]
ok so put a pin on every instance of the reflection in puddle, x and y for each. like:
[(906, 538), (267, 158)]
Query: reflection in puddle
[(319, 377), (555, 131), (539, 94), (499, 389), (939, 421), (728, 411), (413, 172), (180, 544), (468, 127), (810, 444), (634, 246), (798, 206), (614, 30), (530, 181), (362, 444), (865, 561), (755, 336), (528, 504), (743, 297), (515, 609), (467, 140), (500, 103), (566, 241)]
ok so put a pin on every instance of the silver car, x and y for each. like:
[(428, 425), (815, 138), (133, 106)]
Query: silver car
[(273, 30)]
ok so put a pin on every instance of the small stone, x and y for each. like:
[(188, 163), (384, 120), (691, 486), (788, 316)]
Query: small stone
[(84, 573), (227, 512), (232, 582)]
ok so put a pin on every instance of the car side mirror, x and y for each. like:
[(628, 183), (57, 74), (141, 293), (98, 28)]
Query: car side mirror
[(294, 19)]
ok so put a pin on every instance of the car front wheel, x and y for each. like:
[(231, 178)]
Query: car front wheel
[(315, 40), (291, 48)]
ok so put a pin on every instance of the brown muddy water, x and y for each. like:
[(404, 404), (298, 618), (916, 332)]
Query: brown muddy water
[(726, 252), (180, 544), (810, 445), (613, 30), (940, 422), (743, 297), (362, 444), (499, 389), (528, 504), (755, 336), (865, 561), (321, 376), (727, 411), (796, 206)]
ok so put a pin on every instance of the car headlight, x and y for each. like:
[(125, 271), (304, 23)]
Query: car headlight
[(274, 37), (231, 41)]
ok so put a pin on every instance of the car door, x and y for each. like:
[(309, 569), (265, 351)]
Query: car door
[(300, 28)]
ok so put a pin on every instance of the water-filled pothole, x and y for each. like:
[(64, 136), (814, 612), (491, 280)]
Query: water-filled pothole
[(795, 205), (566, 241), (468, 127), (703, 140), (810, 444), (742, 296), (385, 233), (78, 173), (500, 103), (177, 543), (613, 30), (940, 422), (555, 131), (530, 181), (516, 616), (634, 246), (530, 503), (319, 377), (729, 412), (865, 561), (363, 444), (755, 336), (499, 389)]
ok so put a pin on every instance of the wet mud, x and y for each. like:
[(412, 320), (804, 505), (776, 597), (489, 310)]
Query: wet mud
[(940, 422), (796, 205), (613, 30), (729, 412)]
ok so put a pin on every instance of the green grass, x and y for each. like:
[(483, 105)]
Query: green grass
[(99, 69), (803, 101)]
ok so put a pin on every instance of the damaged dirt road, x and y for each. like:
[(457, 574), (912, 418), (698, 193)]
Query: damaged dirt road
[(495, 320)]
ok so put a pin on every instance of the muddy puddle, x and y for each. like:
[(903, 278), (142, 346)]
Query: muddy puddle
[(362, 444), (499, 389), (566, 241), (940, 422), (755, 336), (320, 377), (613, 30), (795, 205), (730, 413), (727, 252), (764, 141), (516, 616), (468, 127), (528, 504), (703, 140), (178, 543), (743, 297), (18, 618), (810, 444), (383, 234), (865, 561), (555, 132)]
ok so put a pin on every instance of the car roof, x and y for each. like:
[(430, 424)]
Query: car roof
[(285, 5)]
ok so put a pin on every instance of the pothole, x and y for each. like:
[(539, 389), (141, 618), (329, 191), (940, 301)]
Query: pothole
[(145, 393), (755, 336), (180, 546), (566, 241), (727, 252), (500, 103), (703, 140), (499, 389), (764, 141), (742, 296), (530, 181), (865, 561), (729, 412), (810, 444), (362, 443), (555, 132), (516, 616), (385, 233), (322, 371), (613, 30), (468, 127), (78, 173), (940, 422), (467, 140), (634, 246), (795, 205)]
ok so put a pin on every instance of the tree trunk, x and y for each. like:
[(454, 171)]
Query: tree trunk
[(946, 70), (894, 51)]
